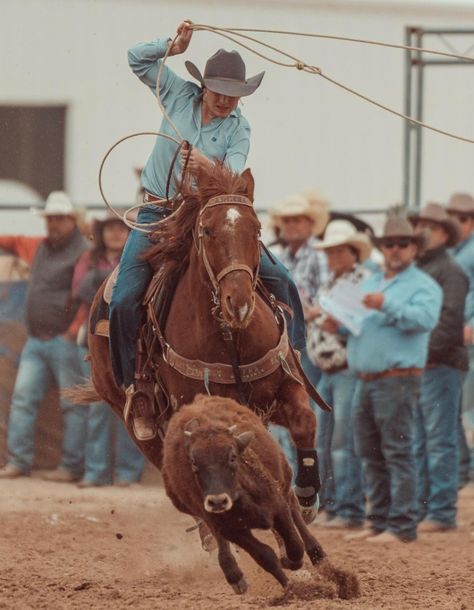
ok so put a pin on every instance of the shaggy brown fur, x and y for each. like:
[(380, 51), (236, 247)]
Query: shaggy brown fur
[(196, 468)]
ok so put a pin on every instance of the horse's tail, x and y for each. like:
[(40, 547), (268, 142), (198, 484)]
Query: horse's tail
[(81, 394)]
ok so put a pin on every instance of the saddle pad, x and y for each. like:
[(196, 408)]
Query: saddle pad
[(109, 286)]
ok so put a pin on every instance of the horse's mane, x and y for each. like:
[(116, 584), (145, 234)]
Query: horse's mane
[(174, 237)]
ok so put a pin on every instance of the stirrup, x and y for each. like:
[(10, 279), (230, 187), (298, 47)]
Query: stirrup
[(144, 427)]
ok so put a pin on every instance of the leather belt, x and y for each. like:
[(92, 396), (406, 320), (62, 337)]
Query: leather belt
[(411, 372), (158, 201), (335, 369)]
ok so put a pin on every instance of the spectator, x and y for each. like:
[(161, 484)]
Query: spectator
[(388, 357), (110, 454), (298, 221), (50, 352), (341, 471), (436, 445), (461, 207)]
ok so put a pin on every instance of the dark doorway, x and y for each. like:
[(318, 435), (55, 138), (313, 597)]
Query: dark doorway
[(32, 146)]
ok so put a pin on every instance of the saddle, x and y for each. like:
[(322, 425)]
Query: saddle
[(157, 302)]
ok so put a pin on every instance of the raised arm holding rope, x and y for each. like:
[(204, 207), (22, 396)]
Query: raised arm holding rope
[(207, 117)]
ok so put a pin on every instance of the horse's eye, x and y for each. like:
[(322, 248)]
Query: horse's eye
[(194, 466), (232, 459), (206, 231)]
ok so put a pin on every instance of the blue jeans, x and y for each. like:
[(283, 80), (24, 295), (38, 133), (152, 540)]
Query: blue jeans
[(340, 467), (384, 419), (281, 435), (127, 312), (436, 444), (110, 453), (466, 471), (42, 363)]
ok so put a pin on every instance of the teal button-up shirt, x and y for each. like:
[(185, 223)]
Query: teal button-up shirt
[(397, 336), (463, 254), (227, 139)]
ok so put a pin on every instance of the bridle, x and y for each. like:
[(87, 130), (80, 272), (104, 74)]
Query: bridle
[(214, 278)]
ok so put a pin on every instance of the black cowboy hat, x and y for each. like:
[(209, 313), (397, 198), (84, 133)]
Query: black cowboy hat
[(225, 74)]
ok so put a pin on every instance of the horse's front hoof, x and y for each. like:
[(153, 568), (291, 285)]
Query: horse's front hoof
[(309, 513), (240, 587)]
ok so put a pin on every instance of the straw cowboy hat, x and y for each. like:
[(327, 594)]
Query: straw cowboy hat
[(434, 212), (398, 226), (225, 74), (320, 205), (58, 204), (297, 205), (342, 232), (461, 203)]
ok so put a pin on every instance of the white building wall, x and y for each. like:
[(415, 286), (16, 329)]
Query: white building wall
[(306, 132)]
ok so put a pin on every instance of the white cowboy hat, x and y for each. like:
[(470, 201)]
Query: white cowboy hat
[(342, 232), (299, 205), (58, 204)]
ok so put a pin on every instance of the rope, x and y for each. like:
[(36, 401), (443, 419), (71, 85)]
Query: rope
[(138, 226), (301, 65), (343, 38)]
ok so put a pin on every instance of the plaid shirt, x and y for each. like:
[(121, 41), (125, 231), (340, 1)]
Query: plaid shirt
[(309, 269)]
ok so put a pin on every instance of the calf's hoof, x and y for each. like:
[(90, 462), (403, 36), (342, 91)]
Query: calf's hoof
[(241, 586), (291, 565)]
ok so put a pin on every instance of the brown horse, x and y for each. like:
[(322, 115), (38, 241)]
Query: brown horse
[(212, 244)]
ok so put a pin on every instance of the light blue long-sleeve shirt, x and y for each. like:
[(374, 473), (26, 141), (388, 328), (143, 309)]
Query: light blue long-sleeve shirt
[(226, 139), (396, 336), (463, 254)]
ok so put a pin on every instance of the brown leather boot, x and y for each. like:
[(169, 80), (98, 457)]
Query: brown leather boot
[(140, 408)]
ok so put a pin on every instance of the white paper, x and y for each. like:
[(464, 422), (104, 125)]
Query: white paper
[(344, 303)]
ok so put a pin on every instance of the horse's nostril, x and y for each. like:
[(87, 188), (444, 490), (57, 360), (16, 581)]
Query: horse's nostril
[(230, 307)]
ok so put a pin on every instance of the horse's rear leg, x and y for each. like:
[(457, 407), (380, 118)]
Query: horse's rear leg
[(301, 422)]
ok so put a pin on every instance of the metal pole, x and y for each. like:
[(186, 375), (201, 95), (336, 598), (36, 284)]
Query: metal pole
[(407, 125), (419, 117)]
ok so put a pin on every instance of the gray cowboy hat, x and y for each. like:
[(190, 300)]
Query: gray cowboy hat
[(225, 74), (398, 226), (435, 212), (461, 203)]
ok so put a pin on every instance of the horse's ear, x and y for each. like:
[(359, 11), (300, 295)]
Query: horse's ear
[(244, 439), (250, 182)]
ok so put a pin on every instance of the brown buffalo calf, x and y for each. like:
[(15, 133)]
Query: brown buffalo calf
[(221, 465)]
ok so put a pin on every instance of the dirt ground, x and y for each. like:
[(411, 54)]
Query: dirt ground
[(65, 548)]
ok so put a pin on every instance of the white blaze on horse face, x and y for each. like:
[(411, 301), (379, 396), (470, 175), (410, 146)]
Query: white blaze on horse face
[(243, 311), (231, 217)]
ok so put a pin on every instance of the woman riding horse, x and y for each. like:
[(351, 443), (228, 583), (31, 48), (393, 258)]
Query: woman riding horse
[(208, 118)]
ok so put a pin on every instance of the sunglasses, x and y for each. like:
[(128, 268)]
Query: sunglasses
[(402, 242), (461, 217)]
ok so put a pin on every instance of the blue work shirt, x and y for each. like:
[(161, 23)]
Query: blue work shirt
[(226, 139), (463, 254), (396, 336)]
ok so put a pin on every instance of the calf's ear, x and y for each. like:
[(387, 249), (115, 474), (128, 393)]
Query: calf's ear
[(191, 426), (243, 439)]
